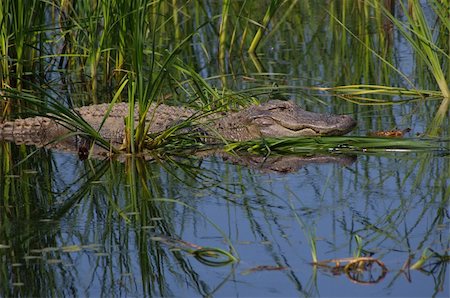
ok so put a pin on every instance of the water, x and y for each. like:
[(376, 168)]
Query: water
[(94, 235), (125, 228)]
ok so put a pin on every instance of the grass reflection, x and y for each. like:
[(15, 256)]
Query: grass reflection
[(114, 207), (108, 215)]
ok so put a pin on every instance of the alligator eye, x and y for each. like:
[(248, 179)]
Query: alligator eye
[(281, 108), (263, 121)]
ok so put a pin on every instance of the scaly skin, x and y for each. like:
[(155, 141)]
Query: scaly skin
[(272, 119)]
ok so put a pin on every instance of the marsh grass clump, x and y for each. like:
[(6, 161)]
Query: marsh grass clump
[(425, 40), (124, 50), (145, 52), (335, 145)]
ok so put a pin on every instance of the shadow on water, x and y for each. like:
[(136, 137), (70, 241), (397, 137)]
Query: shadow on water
[(131, 227)]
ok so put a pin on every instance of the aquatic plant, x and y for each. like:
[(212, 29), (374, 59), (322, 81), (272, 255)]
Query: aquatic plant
[(425, 44), (336, 145), (417, 31)]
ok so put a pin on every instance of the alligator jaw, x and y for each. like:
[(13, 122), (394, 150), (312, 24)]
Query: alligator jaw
[(329, 125), (285, 119), (281, 130)]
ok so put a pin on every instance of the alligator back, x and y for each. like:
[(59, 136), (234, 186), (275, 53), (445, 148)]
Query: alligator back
[(30, 130), (36, 129)]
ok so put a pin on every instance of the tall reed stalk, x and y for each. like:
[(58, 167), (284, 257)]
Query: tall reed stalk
[(270, 12), (223, 29), (418, 32), (18, 42), (4, 42)]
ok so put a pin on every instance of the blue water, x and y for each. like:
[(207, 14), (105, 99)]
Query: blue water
[(268, 217)]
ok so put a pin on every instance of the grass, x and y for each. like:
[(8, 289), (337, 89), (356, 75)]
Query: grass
[(118, 43), (336, 145), (270, 12), (423, 41), (419, 34)]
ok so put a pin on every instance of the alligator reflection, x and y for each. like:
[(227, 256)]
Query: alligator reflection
[(287, 163), (272, 163)]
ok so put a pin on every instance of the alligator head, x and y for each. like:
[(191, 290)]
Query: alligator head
[(278, 118)]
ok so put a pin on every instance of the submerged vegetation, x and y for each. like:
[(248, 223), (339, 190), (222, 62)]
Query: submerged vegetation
[(142, 226)]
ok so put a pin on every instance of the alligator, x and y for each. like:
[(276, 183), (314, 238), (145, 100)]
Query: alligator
[(275, 118)]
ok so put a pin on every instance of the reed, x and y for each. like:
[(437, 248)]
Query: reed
[(336, 145), (148, 44), (223, 29), (270, 12), (421, 38), (4, 43), (20, 25)]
